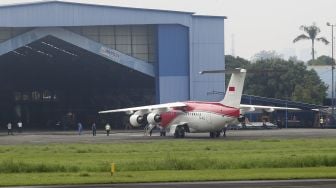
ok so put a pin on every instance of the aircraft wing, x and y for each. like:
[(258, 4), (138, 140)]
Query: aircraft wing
[(251, 108), (150, 108)]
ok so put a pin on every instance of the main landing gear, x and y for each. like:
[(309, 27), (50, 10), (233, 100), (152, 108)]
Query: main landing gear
[(162, 131), (179, 132), (217, 134)]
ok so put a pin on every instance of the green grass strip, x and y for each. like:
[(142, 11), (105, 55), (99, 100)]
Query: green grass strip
[(165, 176), (168, 160)]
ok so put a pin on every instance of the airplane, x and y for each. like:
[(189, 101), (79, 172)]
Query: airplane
[(179, 118)]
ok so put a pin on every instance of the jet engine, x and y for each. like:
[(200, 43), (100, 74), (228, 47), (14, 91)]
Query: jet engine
[(137, 120), (154, 118)]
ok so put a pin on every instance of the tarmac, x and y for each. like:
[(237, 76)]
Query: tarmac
[(43, 137)]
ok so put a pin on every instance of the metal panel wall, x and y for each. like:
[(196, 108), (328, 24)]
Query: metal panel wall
[(80, 41), (48, 14), (173, 63), (137, 41), (207, 53)]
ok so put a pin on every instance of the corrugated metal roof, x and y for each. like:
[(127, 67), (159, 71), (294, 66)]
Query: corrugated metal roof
[(87, 4), (209, 16)]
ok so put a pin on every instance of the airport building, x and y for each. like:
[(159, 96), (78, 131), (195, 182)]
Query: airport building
[(65, 61)]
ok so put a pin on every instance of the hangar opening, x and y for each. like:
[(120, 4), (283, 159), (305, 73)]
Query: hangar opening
[(51, 81)]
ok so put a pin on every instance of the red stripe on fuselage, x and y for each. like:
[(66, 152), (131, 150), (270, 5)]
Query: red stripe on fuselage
[(169, 116), (210, 107), (213, 107)]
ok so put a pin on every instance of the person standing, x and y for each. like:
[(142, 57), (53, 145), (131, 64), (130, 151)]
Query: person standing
[(9, 128), (94, 129), (107, 129), (162, 131), (80, 128), (321, 122), (279, 123), (224, 131), (264, 126), (20, 125)]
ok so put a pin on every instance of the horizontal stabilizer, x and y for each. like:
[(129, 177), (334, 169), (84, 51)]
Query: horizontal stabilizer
[(253, 108), (226, 71)]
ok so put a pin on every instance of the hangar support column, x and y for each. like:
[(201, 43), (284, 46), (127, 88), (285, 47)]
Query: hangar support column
[(172, 68), (207, 54)]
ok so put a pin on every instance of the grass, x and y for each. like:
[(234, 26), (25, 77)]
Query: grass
[(10, 179), (168, 160)]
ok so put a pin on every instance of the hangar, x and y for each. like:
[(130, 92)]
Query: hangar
[(64, 61)]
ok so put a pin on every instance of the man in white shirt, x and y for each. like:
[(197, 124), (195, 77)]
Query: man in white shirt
[(108, 129), (9, 128), (19, 124)]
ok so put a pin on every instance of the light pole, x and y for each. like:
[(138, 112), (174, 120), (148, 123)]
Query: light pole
[(332, 68)]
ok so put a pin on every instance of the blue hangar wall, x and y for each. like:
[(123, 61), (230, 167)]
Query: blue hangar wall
[(186, 43), (172, 82)]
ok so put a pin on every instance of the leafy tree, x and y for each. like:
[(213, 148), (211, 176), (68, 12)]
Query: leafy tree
[(322, 60), (264, 55), (309, 89), (278, 78), (232, 62), (295, 59), (312, 32)]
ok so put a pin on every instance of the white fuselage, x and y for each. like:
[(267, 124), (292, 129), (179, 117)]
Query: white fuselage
[(201, 117), (203, 121)]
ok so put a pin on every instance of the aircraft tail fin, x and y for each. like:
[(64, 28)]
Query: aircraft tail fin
[(234, 90)]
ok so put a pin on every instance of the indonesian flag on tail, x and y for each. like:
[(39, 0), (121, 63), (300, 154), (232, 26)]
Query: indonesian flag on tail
[(232, 89)]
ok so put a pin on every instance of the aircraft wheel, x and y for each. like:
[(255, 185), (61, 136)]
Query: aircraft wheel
[(179, 132), (162, 133), (182, 133), (212, 134), (176, 134)]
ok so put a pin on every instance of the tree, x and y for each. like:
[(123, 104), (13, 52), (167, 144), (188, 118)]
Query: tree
[(232, 62), (264, 55), (309, 89), (322, 60), (312, 32), (295, 59), (278, 78)]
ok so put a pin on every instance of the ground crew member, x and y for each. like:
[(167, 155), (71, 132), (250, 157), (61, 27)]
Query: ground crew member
[(94, 129), (321, 122), (9, 128), (80, 128), (19, 124), (108, 129), (279, 123)]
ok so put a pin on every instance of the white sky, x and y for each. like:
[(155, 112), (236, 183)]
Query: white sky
[(256, 24)]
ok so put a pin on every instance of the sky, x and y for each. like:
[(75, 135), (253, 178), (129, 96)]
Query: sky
[(252, 25)]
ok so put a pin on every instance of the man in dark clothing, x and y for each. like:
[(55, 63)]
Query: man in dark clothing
[(94, 129), (224, 131), (264, 126), (279, 123)]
